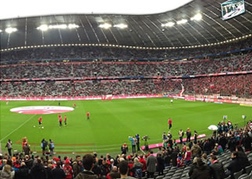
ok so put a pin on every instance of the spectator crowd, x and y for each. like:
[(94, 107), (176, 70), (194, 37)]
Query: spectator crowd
[(227, 153), (38, 73), (129, 78), (56, 70)]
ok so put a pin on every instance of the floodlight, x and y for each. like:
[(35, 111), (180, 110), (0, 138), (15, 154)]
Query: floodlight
[(182, 21), (60, 26), (105, 26), (0, 30), (43, 27), (121, 26), (10, 30), (168, 24), (73, 26), (197, 17)]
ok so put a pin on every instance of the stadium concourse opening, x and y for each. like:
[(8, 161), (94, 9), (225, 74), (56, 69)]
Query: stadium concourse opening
[(42, 109)]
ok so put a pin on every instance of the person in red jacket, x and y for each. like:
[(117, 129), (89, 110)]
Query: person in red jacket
[(40, 121), (170, 123), (143, 161), (88, 115), (60, 121), (68, 169)]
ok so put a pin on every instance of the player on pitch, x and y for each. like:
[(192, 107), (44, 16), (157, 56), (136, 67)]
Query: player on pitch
[(40, 121), (65, 120), (60, 121), (88, 115), (170, 123)]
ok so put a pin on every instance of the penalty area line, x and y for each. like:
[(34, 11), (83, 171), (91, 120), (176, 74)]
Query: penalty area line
[(17, 128)]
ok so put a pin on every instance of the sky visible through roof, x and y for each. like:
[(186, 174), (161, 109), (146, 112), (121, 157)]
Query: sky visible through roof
[(27, 8)]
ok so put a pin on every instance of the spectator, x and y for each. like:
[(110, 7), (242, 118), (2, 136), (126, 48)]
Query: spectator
[(218, 170), (188, 156), (217, 149), (68, 169), (113, 174), (77, 165), (160, 164), (7, 172), (124, 169), (234, 166), (196, 150), (48, 169), (180, 162), (201, 170), (58, 172), (143, 161), (38, 170), (246, 142), (174, 155), (151, 165), (22, 172), (205, 159), (243, 158), (192, 166), (137, 168), (88, 164)]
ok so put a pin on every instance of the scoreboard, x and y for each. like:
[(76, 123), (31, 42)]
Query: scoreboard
[(232, 8)]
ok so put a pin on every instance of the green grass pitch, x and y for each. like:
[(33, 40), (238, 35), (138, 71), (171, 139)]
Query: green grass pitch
[(112, 122)]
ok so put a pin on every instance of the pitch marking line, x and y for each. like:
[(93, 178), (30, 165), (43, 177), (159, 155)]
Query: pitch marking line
[(18, 127)]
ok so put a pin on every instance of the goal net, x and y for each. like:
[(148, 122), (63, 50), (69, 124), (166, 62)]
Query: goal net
[(107, 97)]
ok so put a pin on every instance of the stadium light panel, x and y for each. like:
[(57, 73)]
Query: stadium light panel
[(105, 26), (73, 26), (197, 17), (182, 21), (43, 27), (0, 30), (121, 26), (60, 26), (10, 30), (168, 24)]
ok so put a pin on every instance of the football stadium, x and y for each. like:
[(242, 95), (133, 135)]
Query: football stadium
[(162, 88)]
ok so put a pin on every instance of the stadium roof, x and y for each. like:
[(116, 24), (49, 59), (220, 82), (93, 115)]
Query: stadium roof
[(175, 28)]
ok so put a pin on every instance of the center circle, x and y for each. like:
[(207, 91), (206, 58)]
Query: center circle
[(42, 109)]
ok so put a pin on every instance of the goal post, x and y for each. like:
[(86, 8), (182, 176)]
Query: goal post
[(107, 97)]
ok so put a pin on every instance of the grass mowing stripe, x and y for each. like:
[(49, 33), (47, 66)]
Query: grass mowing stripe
[(113, 121), (19, 103), (2, 139)]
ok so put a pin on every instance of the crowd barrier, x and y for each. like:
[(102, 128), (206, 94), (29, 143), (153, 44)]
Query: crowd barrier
[(65, 98), (211, 99), (154, 146)]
